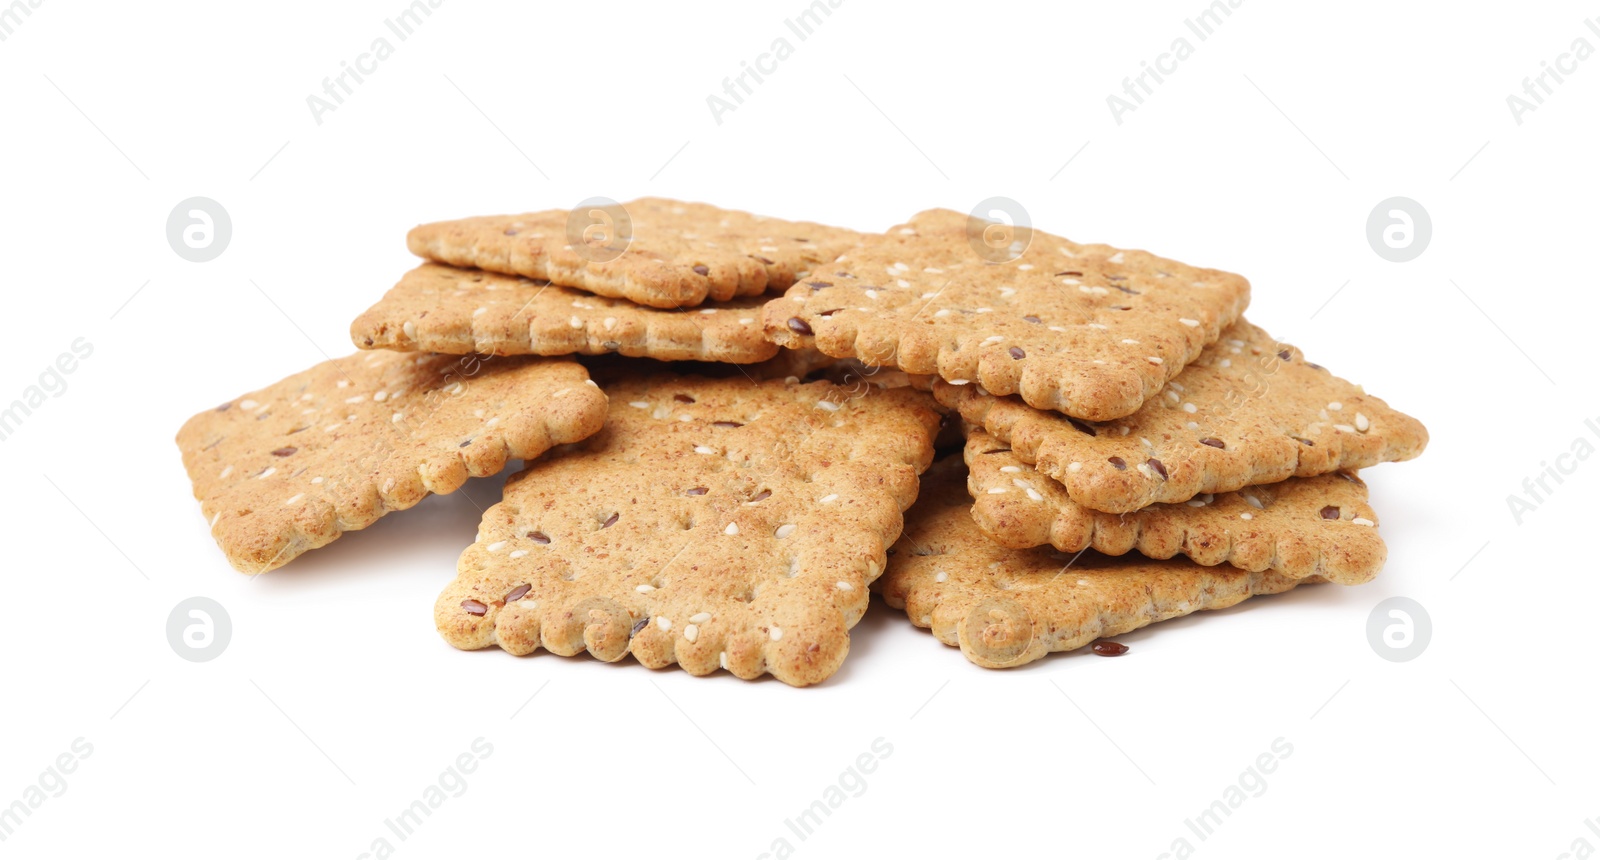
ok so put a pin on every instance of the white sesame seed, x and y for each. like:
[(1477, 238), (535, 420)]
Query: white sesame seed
[(663, 622), (1362, 423), (251, 404), (691, 632), (785, 530), (639, 404), (1195, 503), (1153, 359), (270, 470), (940, 576), (732, 529), (409, 328), (1253, 501), (1362, 521), (519, 553), (1336, 406), (995, 491), (1247, 516), (226, 472), (1034, 494), (1344, 428), (1115, 258), (746, 320), (1226, 362), (994, 338), (831, 497), (214, 517), (828, 405), (708, 310), (844, 586), (943, 312), (398, 417), (295, 498), (983, 310), (1190, 408), (496, 546), (381, 396), (776, 633), (1189, 322), (644, 588), (609, 322), (959, 381), (479, 311), (1075, 466), (356, 399), (701, 449), (1010, 468), (1191, 426), (700, 618)]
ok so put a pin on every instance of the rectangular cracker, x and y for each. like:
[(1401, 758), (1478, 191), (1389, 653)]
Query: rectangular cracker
[(714, 523), (437, 308), (1007, 607), (1088, 330), (292, 466), (653, 251), (1320, 526), (1249, 410)]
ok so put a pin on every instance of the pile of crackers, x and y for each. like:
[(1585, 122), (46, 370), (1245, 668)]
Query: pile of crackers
[(733, 429)]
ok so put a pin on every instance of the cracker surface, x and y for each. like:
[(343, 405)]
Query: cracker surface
[(668, 253), (437, 308), (1089, 330), (1007, 607), (1319, 526), (713, 523), (1250, 410), (331, 449)]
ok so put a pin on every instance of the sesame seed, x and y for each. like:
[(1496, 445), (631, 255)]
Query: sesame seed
[(844, 586), (1362, 423), (691, 632), (944, 312), (663, 622), (1130, 341), (1226, 362), (776, 633), (995, 491), (732, 529), (479, 311), (1189, 322), (746, 320), (940, 576), (831, 497), (409, 328), (1336, 406), (496, 546), (295, 498), (1362, 521), (398, 417), (1115, 258), (1010, 468), (994, 338), (1195, 503), (1190, 408), (644, 588), (1034, 495), (639, 404), (828, 405), (701, 449), (1253, 501), (700, 618), (708, 310), (1346, 428), (356, 399), (785, 530), (270, 470), (226, 472), (959, 381), (1247, 516), (1075, 466), (1153, 359), (214, 517), (251, 404)]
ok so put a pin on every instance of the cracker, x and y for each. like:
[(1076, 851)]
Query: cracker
[(1319, 526), (1006, 607), (438, 308), (712, 523), (1089, 330), (1250, 410), (677, 254), (331, 449)]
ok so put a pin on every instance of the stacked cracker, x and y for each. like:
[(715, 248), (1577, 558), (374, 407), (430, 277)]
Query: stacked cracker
[(1117, 410)]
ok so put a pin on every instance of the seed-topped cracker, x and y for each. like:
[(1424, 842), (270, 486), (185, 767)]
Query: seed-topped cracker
[(439, 308), (1300, 527), (656, 252), (1006, 607), (329, 450), (1088, 330), (712, 523), (1249, 410)]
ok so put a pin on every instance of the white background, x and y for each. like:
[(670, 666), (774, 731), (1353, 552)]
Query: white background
[(336, 703)]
